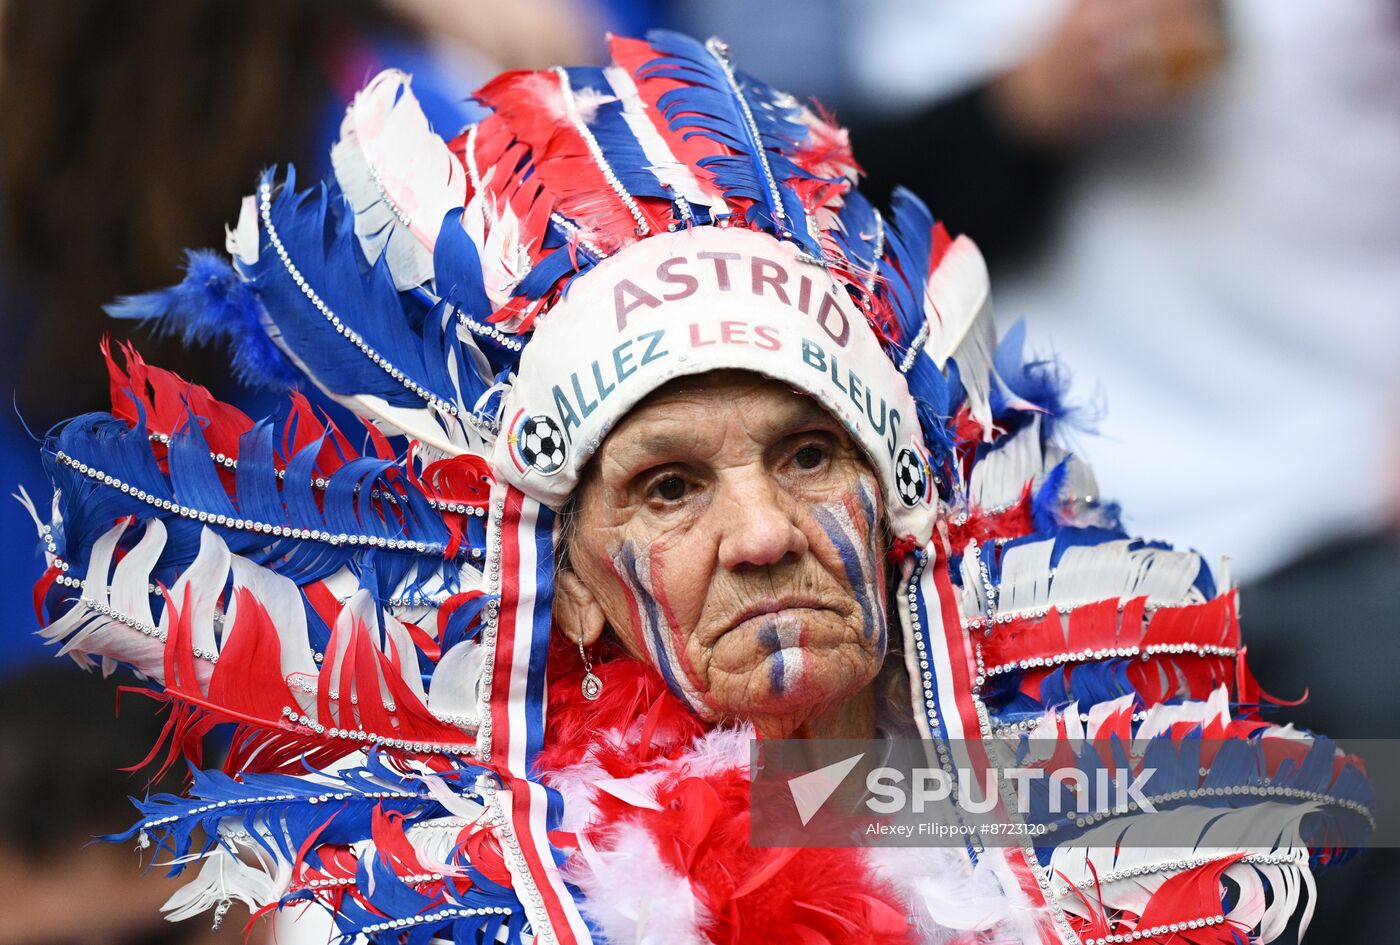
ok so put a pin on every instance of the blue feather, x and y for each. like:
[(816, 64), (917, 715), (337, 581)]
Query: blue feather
[(1041, 382), (908, 244), (1045, 505), (745, 116), (212, 304), (317, 235), (619, 145), (338, 805), (861, 234), (364, 497)]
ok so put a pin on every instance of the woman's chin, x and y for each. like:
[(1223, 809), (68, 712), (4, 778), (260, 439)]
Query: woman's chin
[(794, 687)]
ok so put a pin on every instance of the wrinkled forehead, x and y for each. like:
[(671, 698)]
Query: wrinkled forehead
[(683, 305), (704, 413)]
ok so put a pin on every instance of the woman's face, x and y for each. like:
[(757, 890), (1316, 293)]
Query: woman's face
[(728, 533)]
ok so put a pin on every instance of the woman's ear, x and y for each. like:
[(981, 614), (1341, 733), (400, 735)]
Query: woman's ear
[(577, 610)]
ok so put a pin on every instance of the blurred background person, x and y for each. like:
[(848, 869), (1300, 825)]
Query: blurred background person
[(1196, 204), (129, 131)]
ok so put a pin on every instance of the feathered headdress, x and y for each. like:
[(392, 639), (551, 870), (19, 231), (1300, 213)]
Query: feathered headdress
[(370, 608)]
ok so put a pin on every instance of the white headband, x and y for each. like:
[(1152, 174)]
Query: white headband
[(701, 300)]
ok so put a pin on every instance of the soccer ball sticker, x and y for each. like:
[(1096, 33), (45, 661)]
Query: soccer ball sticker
[(910, 479), (542, 446)]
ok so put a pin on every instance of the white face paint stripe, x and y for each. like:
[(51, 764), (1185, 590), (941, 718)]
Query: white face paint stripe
[(783, 637)]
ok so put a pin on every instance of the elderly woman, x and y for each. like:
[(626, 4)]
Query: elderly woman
[(673, 442)]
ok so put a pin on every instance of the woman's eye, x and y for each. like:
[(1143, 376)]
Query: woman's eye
[(670, 489), (809, 457)]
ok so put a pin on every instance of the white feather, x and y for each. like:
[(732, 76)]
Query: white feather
[(88, 633), (447, 436), (505, 257), (196, 598), (1120, 872), (457, 680), (1085, 575), (999, 477), (632, 896), (946, 897), (283, 602), (241, 240), (958, 309), (224, 877), (392, 168)]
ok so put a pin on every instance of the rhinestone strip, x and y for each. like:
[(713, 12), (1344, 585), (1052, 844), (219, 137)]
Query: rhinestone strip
[(320, 483), (295, 717), (877, 255), (488, 630), (531, 899), (1156, 931), (1262, 789), (453, 912), (570, 227), (575, 119), (1184, 863), (1027, 846), (1118, 652), (915, 347), (921, 648), (241, 524), (350, 335), (720, 51)]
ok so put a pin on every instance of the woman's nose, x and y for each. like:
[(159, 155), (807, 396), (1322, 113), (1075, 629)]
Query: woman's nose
[(758, 524)]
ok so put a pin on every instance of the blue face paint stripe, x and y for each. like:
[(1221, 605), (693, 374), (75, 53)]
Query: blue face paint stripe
[(850, 560), (653, 617), (867, 504), (768, 636)]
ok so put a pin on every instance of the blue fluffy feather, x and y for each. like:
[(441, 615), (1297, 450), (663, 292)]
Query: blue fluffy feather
[(214, 305), (1038, 381)]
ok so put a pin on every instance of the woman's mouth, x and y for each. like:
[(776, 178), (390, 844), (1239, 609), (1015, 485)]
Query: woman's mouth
[(773, 609)]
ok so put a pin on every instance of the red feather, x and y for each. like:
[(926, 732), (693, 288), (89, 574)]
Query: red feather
[(534, 105)]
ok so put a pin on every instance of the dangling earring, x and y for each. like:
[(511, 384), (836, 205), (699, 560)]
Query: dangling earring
[(592, 685)]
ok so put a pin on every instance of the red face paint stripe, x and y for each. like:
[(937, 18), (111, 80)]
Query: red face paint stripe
[(657, 569)]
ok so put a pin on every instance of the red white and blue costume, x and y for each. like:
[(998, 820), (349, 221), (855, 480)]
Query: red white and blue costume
[(412, 759)]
